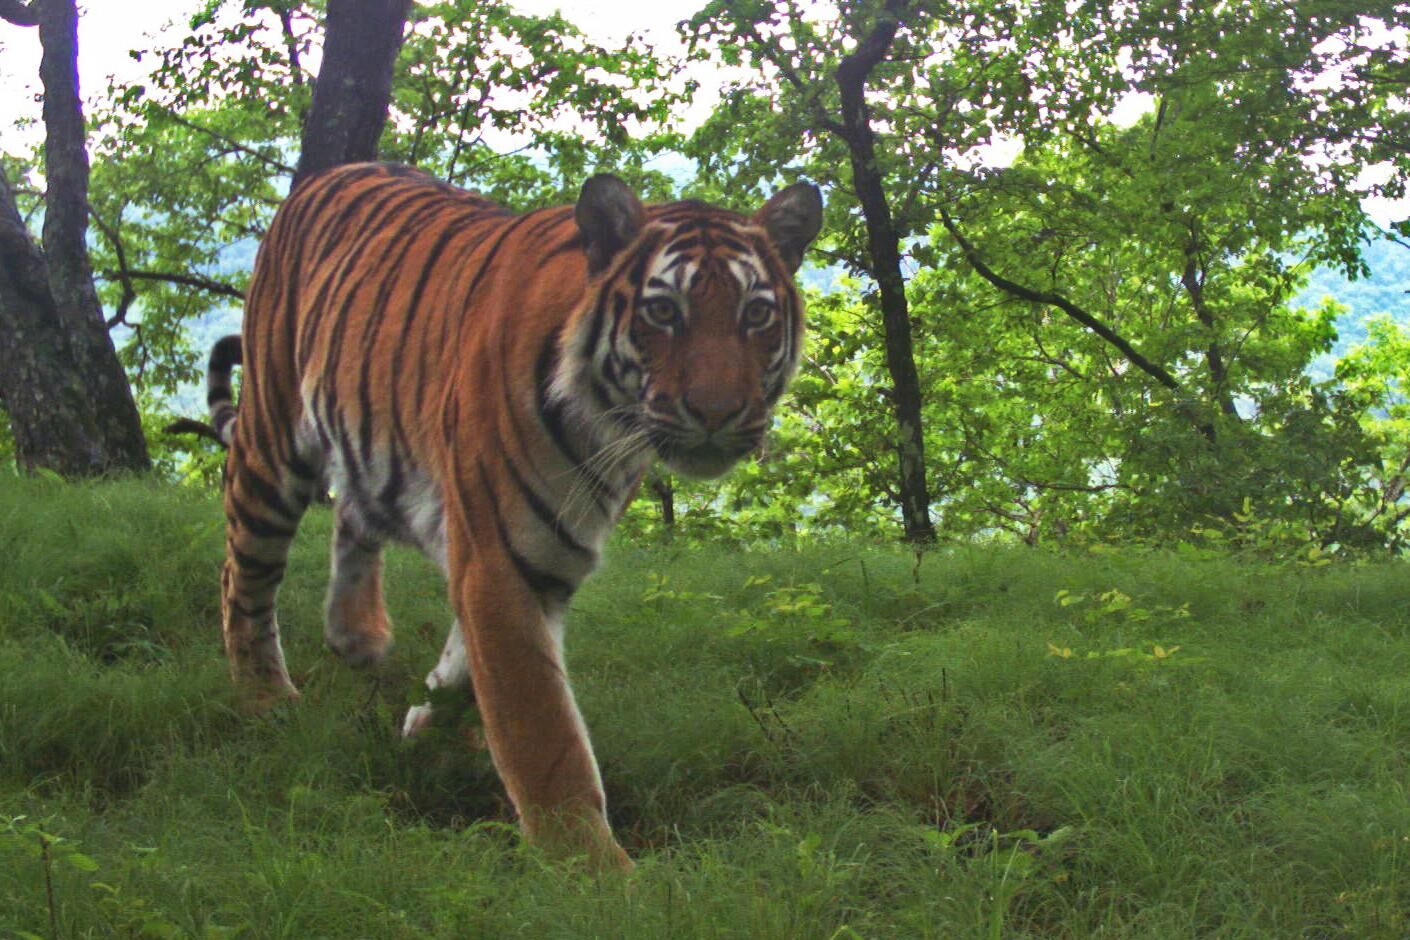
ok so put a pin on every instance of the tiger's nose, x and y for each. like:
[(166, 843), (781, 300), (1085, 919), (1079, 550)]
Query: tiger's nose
[(714, 409)]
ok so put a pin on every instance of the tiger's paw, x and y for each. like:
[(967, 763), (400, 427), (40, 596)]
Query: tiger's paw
[(261, 698), (359, 647), (417, 718)]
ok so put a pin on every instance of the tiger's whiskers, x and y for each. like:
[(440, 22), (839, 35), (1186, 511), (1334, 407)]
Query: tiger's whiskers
[(600, 466)]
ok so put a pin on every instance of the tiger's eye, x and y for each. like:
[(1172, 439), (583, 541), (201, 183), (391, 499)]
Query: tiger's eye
[(661, 312), (757, 314)]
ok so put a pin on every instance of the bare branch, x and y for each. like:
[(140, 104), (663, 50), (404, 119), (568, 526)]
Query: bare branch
[(186, 280), (129, 293), (234, 145)]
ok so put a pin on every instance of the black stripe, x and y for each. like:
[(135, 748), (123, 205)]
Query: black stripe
[(541, 509), (346, 280), (599, 392), (301, 468), (335, 323), (574, 244), (484, 268), (599, 318), (545, 585), (240, 515), (551, 417), (552, 218), (267, 493), (254, 567), (373, 513), (676, 262), (380, 304)]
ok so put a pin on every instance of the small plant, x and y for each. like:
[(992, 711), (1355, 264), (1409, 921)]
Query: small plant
[(124, 912), (659, 592), (1282, 541), (1011, 860), (1116, 605), (1157, 655), (793, 630)]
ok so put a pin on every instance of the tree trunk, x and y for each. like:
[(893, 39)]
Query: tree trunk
[(1193, 280), (354, 86), (46, 398), (883, 245), (67, 396), (666, 496)]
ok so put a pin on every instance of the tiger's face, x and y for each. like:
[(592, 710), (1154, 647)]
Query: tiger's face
[(696, 324)]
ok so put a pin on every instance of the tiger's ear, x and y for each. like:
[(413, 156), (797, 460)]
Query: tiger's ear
[(609, 215), (792, 218)]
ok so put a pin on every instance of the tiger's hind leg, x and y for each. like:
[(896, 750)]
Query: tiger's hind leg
[(263, 507), (356, 625)]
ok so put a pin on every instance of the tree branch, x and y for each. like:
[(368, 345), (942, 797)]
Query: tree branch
[(777, 58), (1062, 303), (21, 14), (234, 145), (129, 293), (186, 280)]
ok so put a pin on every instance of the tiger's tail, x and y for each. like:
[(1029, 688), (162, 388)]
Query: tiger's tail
[(226, 354)]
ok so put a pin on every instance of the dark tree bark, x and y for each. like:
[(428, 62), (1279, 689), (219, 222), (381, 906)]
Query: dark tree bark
[(883, 245), (665, 495), (67, 396), (354, 86), (1192, 278), (45, 397)]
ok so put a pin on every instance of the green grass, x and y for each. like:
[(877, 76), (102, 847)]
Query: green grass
[(846, 749)]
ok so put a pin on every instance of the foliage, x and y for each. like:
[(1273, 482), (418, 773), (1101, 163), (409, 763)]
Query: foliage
[(1201, 234), (523, 108), (1187, 234)]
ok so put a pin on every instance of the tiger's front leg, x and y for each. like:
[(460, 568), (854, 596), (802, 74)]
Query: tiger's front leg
[(535, 733)]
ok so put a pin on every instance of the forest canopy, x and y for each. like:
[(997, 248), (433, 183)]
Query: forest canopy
[(1062, 292)]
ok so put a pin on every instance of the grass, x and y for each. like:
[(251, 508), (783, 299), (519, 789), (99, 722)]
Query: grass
[(820, 742)]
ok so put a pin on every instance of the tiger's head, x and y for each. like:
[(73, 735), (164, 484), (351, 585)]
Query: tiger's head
[(693, 325)]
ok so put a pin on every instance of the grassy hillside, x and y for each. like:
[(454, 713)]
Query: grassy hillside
[(796, 744)]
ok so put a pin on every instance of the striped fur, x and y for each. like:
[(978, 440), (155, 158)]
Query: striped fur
[(490, 388)]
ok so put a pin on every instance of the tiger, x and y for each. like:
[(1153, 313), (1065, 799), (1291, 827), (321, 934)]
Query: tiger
[(490, 388)]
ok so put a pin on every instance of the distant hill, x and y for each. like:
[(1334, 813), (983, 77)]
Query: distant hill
[(1386, 290)]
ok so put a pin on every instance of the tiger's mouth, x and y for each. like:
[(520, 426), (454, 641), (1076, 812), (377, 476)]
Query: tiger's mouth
[(701, 463), (701, 457)]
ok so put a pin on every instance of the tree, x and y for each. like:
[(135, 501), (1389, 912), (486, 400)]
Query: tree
[(1176, 246), (70, 407), (827, 87), (894, 91), (350, 99)]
